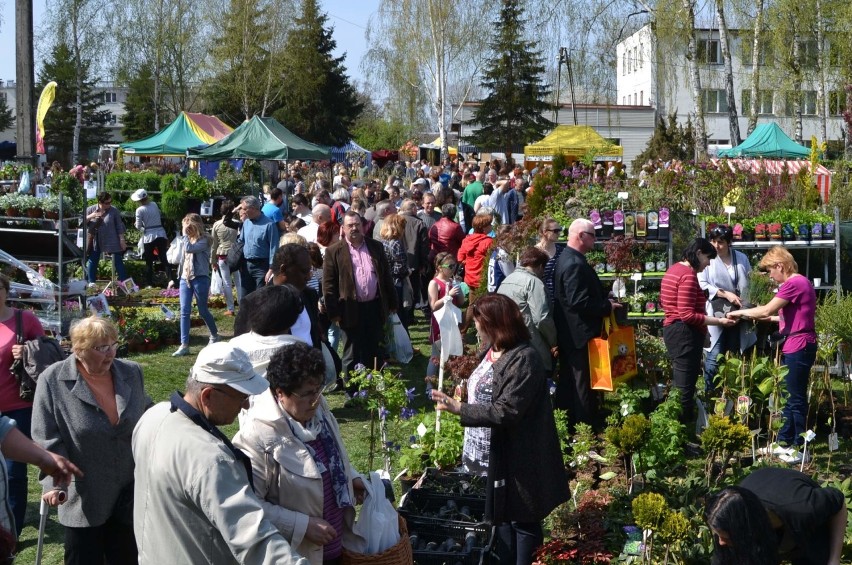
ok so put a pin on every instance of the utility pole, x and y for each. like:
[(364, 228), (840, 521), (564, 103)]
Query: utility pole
[(25, 82), (564, 57)]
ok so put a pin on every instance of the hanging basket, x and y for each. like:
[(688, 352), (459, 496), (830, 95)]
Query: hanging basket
[(399, 554)]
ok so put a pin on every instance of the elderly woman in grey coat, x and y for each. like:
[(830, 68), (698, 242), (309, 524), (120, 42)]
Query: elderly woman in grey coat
[(526, 287), (725, 281), (85, 409)]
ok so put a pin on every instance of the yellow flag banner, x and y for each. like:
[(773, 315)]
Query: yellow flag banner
[(44, 103)]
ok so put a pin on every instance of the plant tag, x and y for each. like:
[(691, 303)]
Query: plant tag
[(167, 312), (743, 404), (421, 430), (636, 277), (809, 436), (623, 195), (833, 444), (730, 209)]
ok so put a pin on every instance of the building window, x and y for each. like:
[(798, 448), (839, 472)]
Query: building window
[(709, 52), (809, 103), (836, 103), (764, 104), (641, 56), (809, 54), (641, 97), (624, 64), (714, 101), (110, 98)]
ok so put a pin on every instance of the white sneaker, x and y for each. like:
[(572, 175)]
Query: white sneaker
[(214, 339), (777, 451), (91, 285), (795, 457), (182, 351)]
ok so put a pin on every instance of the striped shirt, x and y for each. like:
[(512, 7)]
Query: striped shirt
[(681, 297), (331, 512)]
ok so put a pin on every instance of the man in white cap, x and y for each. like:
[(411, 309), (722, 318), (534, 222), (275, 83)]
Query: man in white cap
[(193, 500), (153, 234)]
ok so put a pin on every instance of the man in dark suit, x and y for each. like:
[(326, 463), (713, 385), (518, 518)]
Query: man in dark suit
[(358, 293), (416, 242), (580, 308)]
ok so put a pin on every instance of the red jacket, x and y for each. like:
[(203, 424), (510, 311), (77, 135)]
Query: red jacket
[(445, 235), (472, 255)]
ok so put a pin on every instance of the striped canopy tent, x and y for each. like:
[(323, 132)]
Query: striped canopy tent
[(349, 151), (187, 131), (775, 168)]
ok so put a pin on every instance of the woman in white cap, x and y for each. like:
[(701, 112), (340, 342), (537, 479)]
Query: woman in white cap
[(154, 237)]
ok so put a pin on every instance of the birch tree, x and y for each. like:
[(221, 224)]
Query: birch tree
[(725, 47), (443, 41), (756, 55)]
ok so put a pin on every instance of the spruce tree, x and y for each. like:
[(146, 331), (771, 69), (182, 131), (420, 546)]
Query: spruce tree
[(138, 121), (7, 120), (60, 119), (512, 112), (320, 104)]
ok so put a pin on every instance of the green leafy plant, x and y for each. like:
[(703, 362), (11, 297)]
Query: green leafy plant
[(173, 205), (428, 447), (649, 512), (629, 438), (760, 288), (171, 183), (664, 450), (67, 184), (722, 438), (196, 186)]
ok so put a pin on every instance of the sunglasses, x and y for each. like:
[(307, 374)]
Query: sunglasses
[(106, 348)]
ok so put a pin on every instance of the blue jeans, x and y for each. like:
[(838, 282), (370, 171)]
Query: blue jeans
[(17, 472), (200, 288), (728, 341), (333, 335), (796, 410), (92, 265), (252, 274)]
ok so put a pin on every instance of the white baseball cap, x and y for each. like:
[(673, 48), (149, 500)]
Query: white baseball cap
[(140, 194), (223, 364)]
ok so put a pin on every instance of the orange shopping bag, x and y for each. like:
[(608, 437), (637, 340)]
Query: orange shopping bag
[(612, 357)]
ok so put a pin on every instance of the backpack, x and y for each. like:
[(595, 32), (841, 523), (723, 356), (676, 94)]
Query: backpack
[(38, 354)]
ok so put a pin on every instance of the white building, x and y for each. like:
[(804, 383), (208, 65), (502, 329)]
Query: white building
[(650, 75), (628, 126), (112, 100)]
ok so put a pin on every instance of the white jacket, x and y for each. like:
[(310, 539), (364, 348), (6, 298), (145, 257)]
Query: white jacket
[(193, 504), (286, 478)]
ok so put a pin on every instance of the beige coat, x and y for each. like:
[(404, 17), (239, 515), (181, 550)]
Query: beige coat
[(286, 478)]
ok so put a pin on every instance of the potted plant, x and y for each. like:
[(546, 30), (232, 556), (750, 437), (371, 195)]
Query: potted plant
[(30, 205), (50, 206), (637, 303), (10, 203), (662, 262), (597, 260)]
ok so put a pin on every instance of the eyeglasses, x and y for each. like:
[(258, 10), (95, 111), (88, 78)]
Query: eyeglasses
[(452, 266), (106, 348), (554, 230), (591, 233), (719, 232), (235, 395), (312, 395)]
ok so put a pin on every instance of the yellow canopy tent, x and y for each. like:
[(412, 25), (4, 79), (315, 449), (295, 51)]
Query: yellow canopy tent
[(573, 142)]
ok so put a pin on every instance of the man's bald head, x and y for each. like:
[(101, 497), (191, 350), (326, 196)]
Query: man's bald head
[(321, 214)]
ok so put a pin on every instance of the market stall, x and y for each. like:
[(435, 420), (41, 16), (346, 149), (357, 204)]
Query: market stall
[(350, 154), (188, 130), (261, 139), (574, 142), (776, 167), (767, 140)]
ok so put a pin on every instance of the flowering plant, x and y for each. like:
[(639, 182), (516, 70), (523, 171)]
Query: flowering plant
[(384, 394)]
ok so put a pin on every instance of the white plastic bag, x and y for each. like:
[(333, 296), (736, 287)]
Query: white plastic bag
[(449, 317), (216, 283), (175, 251), (400, 345), (377, 528)]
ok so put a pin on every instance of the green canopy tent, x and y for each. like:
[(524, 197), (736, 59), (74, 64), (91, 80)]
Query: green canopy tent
[(767, 140), (188, 130), (261, 139)]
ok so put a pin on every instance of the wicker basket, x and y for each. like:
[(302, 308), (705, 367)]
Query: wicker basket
[(399, 554)]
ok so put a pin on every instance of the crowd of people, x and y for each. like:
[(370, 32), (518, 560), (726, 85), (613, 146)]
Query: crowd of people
[(313, 267)]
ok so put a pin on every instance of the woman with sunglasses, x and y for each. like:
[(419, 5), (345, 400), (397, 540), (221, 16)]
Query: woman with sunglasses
[(549, 232), (794, 307), (85, 409), (725, 281), (302, 473)]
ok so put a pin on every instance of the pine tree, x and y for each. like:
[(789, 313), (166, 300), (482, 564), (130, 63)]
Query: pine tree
[(321, 104), (59, 121), (512, 112), (139, 106), (7, 120)]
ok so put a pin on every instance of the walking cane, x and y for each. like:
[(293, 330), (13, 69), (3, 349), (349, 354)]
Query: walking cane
[(43, 511)]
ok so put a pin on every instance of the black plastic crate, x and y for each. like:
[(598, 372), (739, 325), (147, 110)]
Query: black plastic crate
[(423, 511), (459, 557), (450, 484)]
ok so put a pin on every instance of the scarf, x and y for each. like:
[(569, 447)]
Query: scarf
[(318, 429)]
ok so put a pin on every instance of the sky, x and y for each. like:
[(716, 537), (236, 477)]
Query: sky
[(349, 19)]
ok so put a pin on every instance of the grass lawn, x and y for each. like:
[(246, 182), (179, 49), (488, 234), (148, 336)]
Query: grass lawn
[(165, 374)]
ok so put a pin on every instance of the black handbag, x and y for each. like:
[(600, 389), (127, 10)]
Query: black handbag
[(235, 255)]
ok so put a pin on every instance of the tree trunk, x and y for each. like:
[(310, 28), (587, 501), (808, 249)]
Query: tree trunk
[(158, 66), (436, 28), (78, 85), (797, 88), (822, 103), (695, 84), (733, 121), (757, 45)]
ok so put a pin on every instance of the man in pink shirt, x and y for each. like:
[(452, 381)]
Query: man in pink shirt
[(358, 292)]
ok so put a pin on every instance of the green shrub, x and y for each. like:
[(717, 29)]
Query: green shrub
[(171, 183), (173, 205)]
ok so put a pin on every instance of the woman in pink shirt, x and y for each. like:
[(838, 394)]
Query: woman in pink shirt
[(685, 323), (794, 308)]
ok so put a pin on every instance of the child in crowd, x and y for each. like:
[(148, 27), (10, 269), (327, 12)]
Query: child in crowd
[(441, 289)]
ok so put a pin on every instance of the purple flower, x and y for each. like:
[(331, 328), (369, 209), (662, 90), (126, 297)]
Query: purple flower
[(369, 376), (409, 394), (359, 367), (407, 413), (412, 439), (362, 393), (383, 413)]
